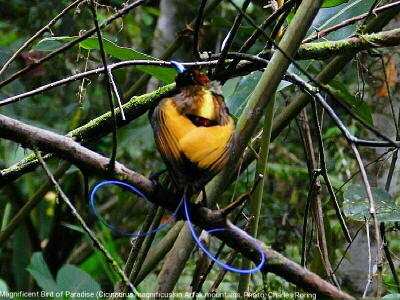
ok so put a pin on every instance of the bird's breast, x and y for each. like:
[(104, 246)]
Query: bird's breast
[(206, 146)]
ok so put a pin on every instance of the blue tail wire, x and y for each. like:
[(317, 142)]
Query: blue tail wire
[(138, 193), (170, 219), (212, 257)]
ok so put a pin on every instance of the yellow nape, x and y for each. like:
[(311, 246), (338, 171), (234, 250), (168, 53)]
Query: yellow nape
[(206, 108)]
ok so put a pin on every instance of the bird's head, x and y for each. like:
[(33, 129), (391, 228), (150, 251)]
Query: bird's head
[(189, 76)]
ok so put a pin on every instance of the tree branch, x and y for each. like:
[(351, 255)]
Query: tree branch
[(350, 21), (67, 148), (324, 50)]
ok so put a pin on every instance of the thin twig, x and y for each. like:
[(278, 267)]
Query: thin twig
[(108, 86), (146, 245), (317, 208), (136, 245), (324, 173), (372, 212), (37, 34), (305, 219), (230, 259), (227, 43), (217, 254), (116, 94), (82, 222), (252, 39), (369, 277), (96, 71), (385, 241), (350, 21), (347, 249), (54, 53), (359, 142), (197, 26), (376, 160)]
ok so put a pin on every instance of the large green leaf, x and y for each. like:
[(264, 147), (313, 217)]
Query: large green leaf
[(21, 255), (332, 3), (77, 283), (236, 91), (335, 13), (71, 281), (356, 205), (163, 74), (360, 108), (392, 296), (41, 273)]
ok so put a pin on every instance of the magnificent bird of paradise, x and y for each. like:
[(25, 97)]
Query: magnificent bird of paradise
[(193, 130), (194, 134)]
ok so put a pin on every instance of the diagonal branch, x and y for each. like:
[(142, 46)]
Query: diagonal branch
[(350, 21), (54, 53), (66, 148), (37, 34)]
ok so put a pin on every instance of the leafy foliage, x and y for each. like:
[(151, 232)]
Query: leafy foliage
[(71, 262), (356, 204)]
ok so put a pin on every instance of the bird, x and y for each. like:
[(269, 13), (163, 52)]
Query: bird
[(193, 130)]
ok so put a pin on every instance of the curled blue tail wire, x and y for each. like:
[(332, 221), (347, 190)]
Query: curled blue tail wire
[(195, 237), (135, 191), (212, 257)]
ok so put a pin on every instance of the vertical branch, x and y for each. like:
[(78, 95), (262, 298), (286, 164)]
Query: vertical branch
[(257, 197), (197, 26), (136, 245), (311, 192), (372, 212), (108, 85), (227, 43), (146, 245), (325, 175), (385, 241), (369, 278), (116, 93), (318, 214)]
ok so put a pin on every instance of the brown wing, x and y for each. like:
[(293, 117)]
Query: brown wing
[(166, 142)]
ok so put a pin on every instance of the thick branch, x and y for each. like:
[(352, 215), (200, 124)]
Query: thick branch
[(67, 148), (324, 50), (96, 128)]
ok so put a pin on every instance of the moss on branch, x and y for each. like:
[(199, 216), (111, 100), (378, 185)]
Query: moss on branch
[(323, 50)]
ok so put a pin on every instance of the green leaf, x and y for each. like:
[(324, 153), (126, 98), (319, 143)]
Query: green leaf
[(3, 286), (41, 273), (332, 15), (331, 132), (356, 205), (73, 280), (237, 91), (392, 296), (22, 250), (331, 3), (163, 74), (360, 108)]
